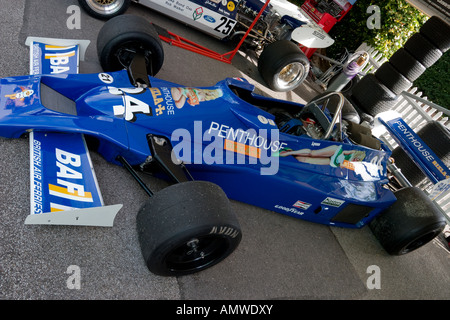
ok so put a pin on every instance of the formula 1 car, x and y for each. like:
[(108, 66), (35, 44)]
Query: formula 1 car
[(313, 161), (276, 36)]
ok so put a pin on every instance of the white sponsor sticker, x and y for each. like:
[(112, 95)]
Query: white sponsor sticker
[(332, 202)]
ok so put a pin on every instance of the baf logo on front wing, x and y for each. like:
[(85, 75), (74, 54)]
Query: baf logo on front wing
[(61, 176), (51, 59)]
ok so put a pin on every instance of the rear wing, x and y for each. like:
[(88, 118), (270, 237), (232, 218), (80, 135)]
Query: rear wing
[(63, 185), (418, 151)]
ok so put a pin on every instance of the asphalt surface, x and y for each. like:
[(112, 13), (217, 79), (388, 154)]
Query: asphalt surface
[(279, 257)]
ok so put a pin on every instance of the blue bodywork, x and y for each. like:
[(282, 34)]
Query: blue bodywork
[(219, 136)]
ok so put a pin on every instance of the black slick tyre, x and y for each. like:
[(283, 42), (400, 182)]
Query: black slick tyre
[(407, 65), (283, 66), (392, 79), (371, 96), (411, 222), (438, 32), (186, 228), (423, 50), (104, 9), (435, 136), (124, 35)]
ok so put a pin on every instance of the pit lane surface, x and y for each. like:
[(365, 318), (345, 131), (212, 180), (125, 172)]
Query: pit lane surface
[(278, 258)]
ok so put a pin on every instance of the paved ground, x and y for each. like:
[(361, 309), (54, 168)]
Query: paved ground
[(279, 257)]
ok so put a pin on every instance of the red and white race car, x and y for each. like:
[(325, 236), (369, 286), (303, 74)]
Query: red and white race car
[(280, 35)]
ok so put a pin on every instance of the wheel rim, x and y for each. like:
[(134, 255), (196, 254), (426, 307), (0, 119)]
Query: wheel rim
[(105, 7), (290, 75), (197, 254)]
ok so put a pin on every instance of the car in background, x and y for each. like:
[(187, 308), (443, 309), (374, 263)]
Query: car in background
[(277, 36)]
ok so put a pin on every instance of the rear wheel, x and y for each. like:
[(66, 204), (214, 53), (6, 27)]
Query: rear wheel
[(122, 37), (186, 228), (411, 222), (283, 66), (373, 97), (104, 9)]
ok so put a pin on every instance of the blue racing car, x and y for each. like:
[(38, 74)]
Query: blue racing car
[(314, 162)]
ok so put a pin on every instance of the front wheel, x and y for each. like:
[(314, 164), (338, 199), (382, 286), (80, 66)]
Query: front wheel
[(186, 228), (104, 9), (283, 66), (122, 37), (411, 222)]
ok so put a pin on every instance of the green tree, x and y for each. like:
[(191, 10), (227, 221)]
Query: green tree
[(398, 22), (434, 82)]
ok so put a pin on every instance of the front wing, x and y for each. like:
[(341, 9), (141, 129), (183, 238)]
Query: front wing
[(63, 185)]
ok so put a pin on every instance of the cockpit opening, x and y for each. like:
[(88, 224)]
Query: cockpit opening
[(331, 116)]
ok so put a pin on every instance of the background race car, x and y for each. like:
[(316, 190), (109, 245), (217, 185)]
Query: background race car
[(282, 34)]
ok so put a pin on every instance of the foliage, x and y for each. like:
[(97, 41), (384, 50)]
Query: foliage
[(398, 22), (434, 82)]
